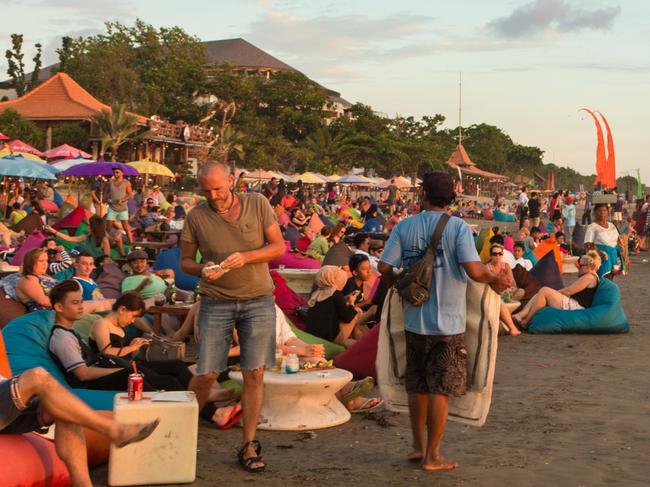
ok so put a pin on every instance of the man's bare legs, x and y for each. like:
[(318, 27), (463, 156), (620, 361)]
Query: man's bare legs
[(201, 385), (418, 408), (70, 413), (252, 394), (436, 422)]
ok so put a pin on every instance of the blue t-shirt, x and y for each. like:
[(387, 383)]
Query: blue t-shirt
[(90, 289), (444, 312)]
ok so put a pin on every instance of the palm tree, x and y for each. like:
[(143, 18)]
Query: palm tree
[(115, 127), (326, 149), (228, 143)]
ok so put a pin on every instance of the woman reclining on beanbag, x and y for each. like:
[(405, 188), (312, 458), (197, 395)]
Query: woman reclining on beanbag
[(578, 295)]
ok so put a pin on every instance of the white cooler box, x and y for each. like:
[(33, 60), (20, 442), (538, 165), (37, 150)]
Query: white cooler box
[(168, 456)]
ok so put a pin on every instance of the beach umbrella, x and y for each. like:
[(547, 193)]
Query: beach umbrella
[(17, 145), (19, 167), (65, 151), (26, 155), (67, 163), (286, 177), (99, 168), (311, 178), (260, 174), (4, 137), (151, 168), (353, 179)]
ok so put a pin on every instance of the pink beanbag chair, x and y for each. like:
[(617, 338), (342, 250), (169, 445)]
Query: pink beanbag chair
[(34, 241), (509, 243), (49, 206), (360, 358), (72, 219), (294, 261), (288, 300)]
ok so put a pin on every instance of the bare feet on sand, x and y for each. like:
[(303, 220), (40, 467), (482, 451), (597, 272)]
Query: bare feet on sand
[(415, 456), (439, 463)]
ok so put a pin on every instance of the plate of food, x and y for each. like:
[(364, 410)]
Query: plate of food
[(322, 365)]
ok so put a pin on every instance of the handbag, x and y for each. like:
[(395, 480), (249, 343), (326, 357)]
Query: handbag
[(414, 284), (161, 349)]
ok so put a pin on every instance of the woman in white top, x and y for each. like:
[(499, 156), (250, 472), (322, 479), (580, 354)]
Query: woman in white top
[(603, 236)]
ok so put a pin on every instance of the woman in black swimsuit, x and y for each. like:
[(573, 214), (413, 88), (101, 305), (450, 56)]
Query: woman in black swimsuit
[(578, 295)]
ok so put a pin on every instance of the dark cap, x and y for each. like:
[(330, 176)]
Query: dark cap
[(137, 254), (376, 244), (438, 184)]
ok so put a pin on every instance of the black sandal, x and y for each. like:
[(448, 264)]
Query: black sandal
[(247, 462)]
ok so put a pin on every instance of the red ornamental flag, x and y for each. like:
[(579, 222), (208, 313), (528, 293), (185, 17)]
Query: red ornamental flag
[(609, 179), (601, 161)]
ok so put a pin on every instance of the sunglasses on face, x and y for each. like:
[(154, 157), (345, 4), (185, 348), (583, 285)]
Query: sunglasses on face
[(496, 253)]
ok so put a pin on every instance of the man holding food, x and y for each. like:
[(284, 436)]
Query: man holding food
[(237, 235)]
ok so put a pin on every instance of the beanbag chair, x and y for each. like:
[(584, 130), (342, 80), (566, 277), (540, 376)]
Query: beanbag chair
[(291, 235), (481, 238), (331, 349), (294, 261), (503, 217), (72, 219), (547, 273), (549, 245), (303, 243), (171, 259), (26, 340), (525, 281), (605, 315), (528, 254), (31, 460), (485, 250), (58, 199), (360, 358), (339, 254), (49, 206), (9, 310), (326, 222), (28, 224), (579, 237), (288, 300), (316, 224), (34, 241), (508, 243), (132, 206), (487, 214), (110, 280), (5, 370)]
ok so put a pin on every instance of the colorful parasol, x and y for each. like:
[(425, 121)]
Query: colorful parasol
[(65, 151), (151, 168), (17, 145), (19, 167), (99, 168)]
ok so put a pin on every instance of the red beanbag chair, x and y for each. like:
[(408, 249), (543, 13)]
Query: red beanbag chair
[(303, 243), (487, 214), (72, 219), (34, 241), (29, 460), (49, 206), (288, 300), (360, 358)]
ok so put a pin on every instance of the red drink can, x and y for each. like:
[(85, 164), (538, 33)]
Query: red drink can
[(135, 387)]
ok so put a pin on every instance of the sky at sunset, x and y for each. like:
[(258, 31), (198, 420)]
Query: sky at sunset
[(528, 66)]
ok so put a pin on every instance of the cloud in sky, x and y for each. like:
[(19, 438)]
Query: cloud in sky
[(544, 16)]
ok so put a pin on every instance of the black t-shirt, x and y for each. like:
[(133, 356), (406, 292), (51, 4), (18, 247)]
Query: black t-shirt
[(324, 317), (533, 208), (350, 287)]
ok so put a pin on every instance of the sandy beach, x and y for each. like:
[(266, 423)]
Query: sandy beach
[(567, 410)]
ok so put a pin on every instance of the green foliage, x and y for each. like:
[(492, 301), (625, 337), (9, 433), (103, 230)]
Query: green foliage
[(16, 66), (151, 71), (115, 127), (71, 133), (16, 126)]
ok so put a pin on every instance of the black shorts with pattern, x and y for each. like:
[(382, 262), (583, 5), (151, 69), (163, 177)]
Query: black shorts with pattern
[(436, 364)]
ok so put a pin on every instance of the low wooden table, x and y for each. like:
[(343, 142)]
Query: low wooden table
[(179, 309)]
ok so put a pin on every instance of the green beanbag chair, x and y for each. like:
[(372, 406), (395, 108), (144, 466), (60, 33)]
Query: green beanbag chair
[(26, 339), (605, 315), (331, 349)]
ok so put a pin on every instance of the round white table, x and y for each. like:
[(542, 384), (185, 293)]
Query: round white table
[(302, 401), (300, 281)]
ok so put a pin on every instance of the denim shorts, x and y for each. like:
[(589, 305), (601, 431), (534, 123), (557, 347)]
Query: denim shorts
[(15, 417), (255, 323)]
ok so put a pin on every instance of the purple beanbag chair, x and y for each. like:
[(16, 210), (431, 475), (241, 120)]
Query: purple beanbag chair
[(547, 273), (360, 358), (34, 241)]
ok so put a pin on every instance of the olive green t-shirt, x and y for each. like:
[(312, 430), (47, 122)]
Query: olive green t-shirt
[(217, 238)]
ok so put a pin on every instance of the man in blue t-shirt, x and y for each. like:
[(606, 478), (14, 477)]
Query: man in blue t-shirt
[(84, 265), (435, 350)]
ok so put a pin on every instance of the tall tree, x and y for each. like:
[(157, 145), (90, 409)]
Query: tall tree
[(16, 65), (115, 127)]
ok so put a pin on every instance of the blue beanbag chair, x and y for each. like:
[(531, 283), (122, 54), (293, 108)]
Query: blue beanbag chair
[(528, 254), (500, 216), (26, 340), (605, 315), (547, 272), (171, 259), (58, 199)]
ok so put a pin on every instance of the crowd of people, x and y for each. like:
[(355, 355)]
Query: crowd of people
[(358, 245)]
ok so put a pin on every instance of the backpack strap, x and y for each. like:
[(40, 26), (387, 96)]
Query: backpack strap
[(437, 233)]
